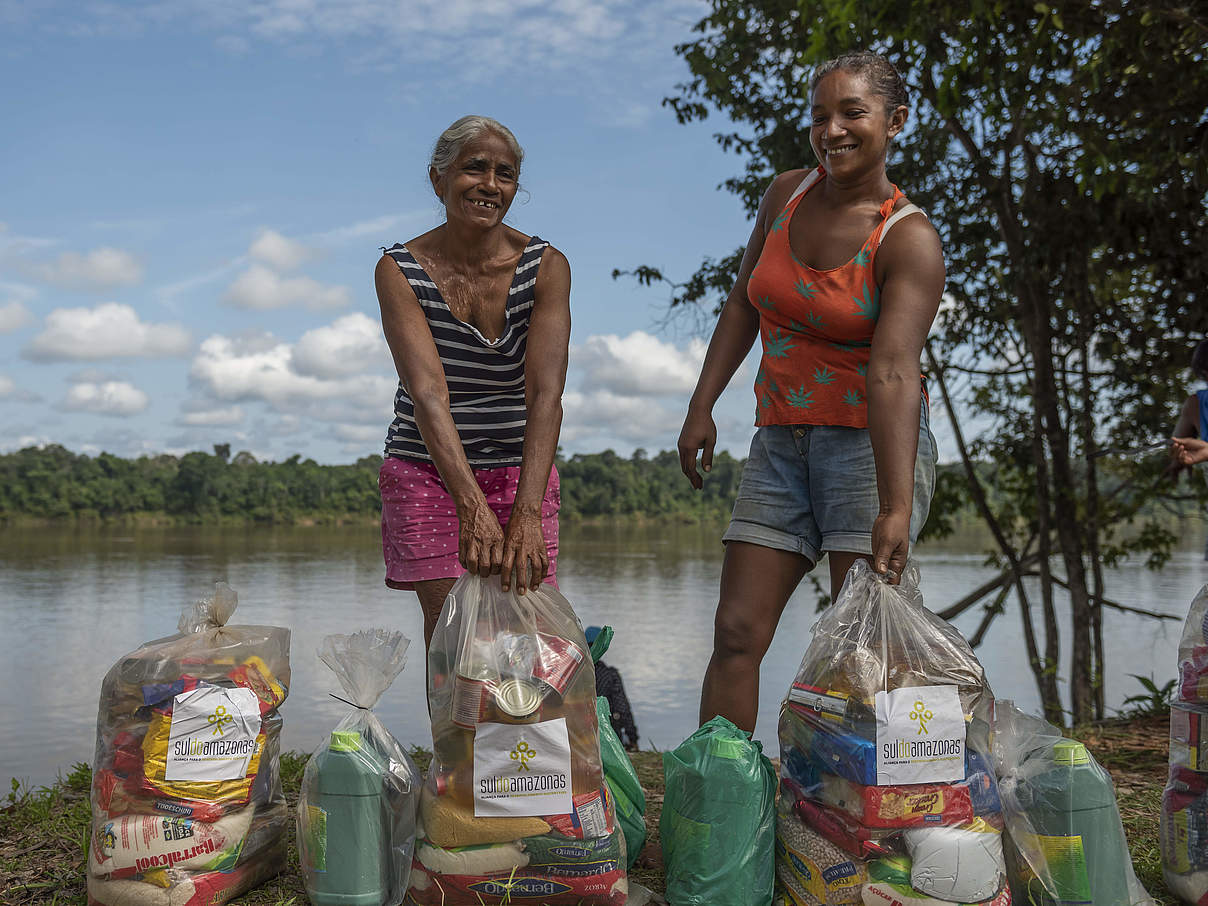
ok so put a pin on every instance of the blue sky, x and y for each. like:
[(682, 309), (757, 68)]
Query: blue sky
[(193, 193)]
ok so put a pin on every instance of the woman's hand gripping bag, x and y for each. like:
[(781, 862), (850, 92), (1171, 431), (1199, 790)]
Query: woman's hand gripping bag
[(718, 825), (619, 774), (356, 815), (515, 805), (186, 793)]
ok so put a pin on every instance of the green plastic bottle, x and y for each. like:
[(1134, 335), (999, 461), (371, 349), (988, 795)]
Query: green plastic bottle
[(348, 839), (1072, 807)]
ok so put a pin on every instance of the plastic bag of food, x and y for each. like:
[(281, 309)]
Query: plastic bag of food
[(516, 755), (1193, 652), (360, 791), (187, 805), (1064, 831), (884, 748), (718, 824)]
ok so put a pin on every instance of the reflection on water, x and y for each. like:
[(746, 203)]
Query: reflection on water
[(74, 600)]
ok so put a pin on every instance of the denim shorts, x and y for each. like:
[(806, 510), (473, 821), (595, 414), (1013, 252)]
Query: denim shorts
[(809, 489)]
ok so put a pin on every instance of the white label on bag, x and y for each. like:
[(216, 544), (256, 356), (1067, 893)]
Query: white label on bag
[(213, 734), (920, 735), (522, 769)]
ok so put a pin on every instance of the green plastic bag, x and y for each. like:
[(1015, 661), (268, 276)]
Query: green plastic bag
[(619, 775), (623, 784), (719, 824)]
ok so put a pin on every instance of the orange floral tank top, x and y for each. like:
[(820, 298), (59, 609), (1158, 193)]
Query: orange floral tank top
[(815, 326)]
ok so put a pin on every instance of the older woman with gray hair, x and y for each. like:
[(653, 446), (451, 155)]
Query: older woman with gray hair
[(477, 316)]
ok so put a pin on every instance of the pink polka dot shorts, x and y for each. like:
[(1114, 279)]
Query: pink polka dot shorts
[(419, 520)]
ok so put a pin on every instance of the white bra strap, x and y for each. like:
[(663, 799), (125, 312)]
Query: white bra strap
[(897, 215), (812, 177)]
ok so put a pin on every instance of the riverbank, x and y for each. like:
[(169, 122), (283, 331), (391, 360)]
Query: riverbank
[(42, 831)]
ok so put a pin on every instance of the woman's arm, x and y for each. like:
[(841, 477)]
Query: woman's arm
[(912, 265), (524, 549), (736, 329), (480, 539)]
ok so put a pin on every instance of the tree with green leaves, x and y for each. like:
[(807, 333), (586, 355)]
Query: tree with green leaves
[(1061, 151)]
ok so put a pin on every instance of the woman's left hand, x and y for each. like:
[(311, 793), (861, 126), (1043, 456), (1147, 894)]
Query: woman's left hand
[(524, 552), (891, 545)]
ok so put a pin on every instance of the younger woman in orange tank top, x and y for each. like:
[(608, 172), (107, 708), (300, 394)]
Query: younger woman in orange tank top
[(843, 461)]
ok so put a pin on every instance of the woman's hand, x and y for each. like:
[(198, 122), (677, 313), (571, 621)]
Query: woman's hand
[(891, 545), (1187, 451), (479, 539), (699, 433), (524, 551)]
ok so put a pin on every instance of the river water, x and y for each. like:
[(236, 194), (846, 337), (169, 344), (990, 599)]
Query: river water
[(74, 600)]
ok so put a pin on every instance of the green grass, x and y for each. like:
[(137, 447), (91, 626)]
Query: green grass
[(43, 831)]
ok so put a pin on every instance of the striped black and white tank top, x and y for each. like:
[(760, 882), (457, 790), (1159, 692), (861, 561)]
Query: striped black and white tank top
[(485, 378)]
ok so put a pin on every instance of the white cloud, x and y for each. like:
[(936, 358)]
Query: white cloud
[(100, 270), (380, 227), (13, 316), (259, 288), (114, 398), (211, 417), (349, 345), (282, 253), (260, 367), (637, 365), (111, 330), (8, 387)]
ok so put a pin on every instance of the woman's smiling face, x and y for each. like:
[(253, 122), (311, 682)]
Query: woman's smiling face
[(850, 128), (478, 187)]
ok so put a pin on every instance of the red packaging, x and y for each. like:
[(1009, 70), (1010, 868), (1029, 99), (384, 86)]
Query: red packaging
[(1193, 676), (587, 820), (907, 805), (839, 828), (557, 661)]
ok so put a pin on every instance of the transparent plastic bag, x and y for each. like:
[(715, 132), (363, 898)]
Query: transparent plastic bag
[(356, 816), (187, 806), (718, 826), (516, 770), (884, 752), (1065, 840), (1193, 652), (1184, 821)]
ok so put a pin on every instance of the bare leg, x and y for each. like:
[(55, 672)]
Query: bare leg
[(432, 594), (840, 563), (756, 582)]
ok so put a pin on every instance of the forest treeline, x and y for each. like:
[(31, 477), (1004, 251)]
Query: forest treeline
[(54, 483)]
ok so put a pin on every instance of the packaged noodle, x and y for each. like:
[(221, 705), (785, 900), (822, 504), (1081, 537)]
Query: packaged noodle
[(356, 815), (186, 797), (884, 749), (516, 757)]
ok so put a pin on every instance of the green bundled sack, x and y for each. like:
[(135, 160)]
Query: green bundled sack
[(623, 784), (719, 825), (619, 775)]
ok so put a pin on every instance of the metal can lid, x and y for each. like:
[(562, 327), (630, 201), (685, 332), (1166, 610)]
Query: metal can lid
[(517, 698)]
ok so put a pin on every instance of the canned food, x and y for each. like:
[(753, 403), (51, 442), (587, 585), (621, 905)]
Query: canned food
[(469, 699), (517, 698), (557, 661)]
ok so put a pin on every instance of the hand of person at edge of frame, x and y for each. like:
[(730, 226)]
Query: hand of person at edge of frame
[(699, 433), (525, 557), (479, 540), (891, 545), (1188, 451)]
